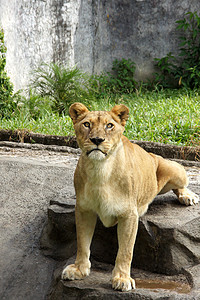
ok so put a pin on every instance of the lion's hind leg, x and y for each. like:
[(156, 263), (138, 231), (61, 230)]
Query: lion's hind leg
[(187, 197), (172, 176)]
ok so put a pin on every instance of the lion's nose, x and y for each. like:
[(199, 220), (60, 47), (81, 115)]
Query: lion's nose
[(97, 141)]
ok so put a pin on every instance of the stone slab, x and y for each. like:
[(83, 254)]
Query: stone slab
[(31, 179), (98, 286), (28, 180)]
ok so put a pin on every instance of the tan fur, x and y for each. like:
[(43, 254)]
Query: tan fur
[(116, 181)]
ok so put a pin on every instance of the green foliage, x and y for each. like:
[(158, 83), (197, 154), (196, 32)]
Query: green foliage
[(33, 105), (185, 69), (168, 70), (166, 116), (119, 81), (62, 85), (6, 87), (122, 78), (2, 51), (169, 116)]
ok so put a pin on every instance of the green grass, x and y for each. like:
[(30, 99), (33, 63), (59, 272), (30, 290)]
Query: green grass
[(52, 124), (168, 116)]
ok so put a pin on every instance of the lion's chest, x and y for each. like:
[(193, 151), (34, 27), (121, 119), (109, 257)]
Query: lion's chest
[(101, 196), (102, 200), (104, 188)]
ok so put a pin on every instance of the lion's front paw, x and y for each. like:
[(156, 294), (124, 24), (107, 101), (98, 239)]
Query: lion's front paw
[(123, 284), (73, 272), (187, 197)]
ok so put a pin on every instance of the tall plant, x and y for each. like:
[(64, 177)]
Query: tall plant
[(6, 87), (63, 85), (184, 69), (119, 81)]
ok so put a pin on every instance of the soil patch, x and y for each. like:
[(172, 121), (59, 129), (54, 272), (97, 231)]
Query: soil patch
[(165, 150)]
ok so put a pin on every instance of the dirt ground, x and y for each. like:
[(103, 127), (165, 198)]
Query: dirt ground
[(29, 179)]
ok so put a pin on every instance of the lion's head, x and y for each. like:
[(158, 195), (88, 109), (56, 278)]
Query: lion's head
[(98, 132)]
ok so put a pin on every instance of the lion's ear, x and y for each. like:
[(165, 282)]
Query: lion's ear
[(76, 110), (122, 113)]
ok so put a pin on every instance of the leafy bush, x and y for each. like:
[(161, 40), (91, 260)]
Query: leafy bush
[(33, 105), (184, 70), (122, 78), (62, 85), (119, 81), (6, 87)]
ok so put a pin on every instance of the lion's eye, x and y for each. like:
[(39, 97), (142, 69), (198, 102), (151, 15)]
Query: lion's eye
[(86, 124), (110, 125)]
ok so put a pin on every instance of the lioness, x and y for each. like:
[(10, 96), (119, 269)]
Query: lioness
[(116, 180)]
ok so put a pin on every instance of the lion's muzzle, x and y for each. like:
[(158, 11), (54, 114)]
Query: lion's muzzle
[(97, 141)]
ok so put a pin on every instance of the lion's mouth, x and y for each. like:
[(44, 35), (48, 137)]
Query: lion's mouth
[(95, 149)]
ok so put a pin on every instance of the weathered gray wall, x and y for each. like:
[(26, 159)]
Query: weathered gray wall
[(137, 29), (89, 33), (37, 31)]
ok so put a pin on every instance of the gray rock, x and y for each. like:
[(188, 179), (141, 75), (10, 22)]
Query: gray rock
[(59, 236), (98, 286), (168, 236), (28, 182), (30, 178), (168, 242)]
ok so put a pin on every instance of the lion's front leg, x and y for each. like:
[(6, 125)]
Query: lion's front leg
[(85, 225), (126, 230)]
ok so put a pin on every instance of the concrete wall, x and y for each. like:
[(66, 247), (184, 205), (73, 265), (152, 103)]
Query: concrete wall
[(37, 31), (89, 33)]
